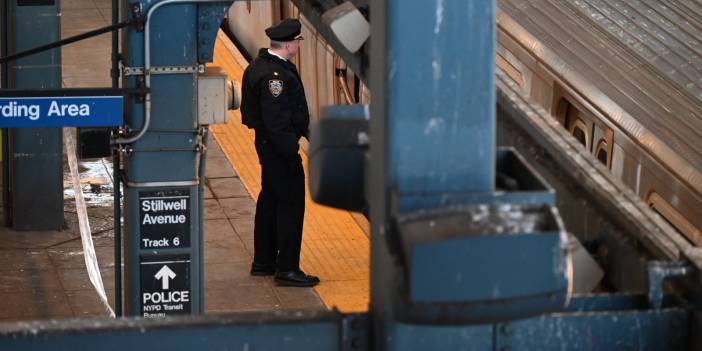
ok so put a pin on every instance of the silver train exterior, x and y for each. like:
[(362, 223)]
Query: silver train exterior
[(622, 76)]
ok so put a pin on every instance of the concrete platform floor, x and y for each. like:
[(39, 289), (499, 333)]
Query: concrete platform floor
[(43, 274)]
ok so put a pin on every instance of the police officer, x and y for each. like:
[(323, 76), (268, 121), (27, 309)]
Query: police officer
[(274, 105)]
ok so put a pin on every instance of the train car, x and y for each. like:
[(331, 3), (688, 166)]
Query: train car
[(622, 77)]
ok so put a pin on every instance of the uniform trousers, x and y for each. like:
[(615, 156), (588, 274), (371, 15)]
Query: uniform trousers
[(280, 212)]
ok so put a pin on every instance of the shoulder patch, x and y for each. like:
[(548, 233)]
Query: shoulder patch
[(275, 86)]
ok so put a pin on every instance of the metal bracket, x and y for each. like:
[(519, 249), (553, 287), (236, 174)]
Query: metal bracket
[(141, 84), (139, 71), (658, 272)]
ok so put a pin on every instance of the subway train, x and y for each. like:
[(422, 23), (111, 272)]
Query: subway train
[(621, 76), (624, 78)]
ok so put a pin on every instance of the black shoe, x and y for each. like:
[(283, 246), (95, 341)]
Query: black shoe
[(295, 278), (261, 270)]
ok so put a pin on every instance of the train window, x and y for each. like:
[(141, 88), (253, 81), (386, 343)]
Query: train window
[(601, 152), (674, 218), (579, 130), (573, 123), (579, 134)]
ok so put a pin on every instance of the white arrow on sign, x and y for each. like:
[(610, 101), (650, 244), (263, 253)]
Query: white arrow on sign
[(165, 274)]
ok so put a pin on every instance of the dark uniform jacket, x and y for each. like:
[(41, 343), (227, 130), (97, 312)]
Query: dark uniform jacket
[(274, 104)]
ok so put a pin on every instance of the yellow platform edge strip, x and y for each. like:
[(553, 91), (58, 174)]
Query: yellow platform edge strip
[(334, 246)]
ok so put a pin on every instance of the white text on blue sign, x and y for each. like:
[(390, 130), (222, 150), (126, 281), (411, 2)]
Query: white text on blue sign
[(79, 111)]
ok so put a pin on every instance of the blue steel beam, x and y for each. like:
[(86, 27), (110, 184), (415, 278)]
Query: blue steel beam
[(665, 329), (439, 97), (35, 162), (609, 323), (164, 158), (432, 129), (247, 331), (173, 109)]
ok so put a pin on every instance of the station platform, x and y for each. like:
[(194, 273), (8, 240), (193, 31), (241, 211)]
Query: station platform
[(44, 274)]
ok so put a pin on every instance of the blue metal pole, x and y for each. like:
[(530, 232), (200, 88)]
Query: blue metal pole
[(201, 205), (163, 236), (5, 145), (172, 126), (433, 134), (440, 97), (3, 40), (116, 179), (36, 162)]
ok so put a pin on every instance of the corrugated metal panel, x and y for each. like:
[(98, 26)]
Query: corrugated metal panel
[(672, 43)]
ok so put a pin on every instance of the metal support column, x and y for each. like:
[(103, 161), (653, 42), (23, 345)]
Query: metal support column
[(4, 85), (36, 163), (164, 149), (116, 172), (433, 134)]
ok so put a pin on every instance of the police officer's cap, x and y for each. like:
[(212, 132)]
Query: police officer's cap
[(285, 30)]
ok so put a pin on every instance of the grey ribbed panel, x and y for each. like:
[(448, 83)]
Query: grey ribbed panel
[(685, 21), (645, 56), (673, 51), (652, 89), (687, 8)]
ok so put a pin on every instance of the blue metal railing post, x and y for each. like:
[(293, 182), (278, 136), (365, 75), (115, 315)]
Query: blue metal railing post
[(5, 134), (116, 181)]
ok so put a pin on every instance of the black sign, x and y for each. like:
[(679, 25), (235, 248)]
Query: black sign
[(35, 2), (165, 285), (164, 218)]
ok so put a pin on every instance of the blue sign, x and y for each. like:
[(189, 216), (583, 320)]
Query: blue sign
[(70, 111)]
